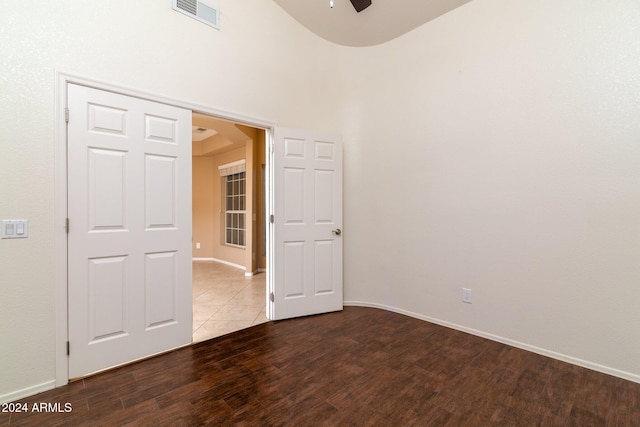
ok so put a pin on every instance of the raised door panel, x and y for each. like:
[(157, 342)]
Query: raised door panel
[(107, 298), (107, 198), (324, 277), (324, 197), (160, 191), (294, 257), (293, 196), (294, 148), (160, 129), (160, 289), (107, 119), (325, 150)]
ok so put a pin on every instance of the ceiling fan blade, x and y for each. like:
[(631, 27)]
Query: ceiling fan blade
[(360, 5)]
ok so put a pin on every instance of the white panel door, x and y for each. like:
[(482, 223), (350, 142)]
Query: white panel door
[(129, 207), (307, 236)]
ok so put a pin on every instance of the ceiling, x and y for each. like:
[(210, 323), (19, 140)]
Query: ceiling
[(220, 136), (381, 22), (384, 20)]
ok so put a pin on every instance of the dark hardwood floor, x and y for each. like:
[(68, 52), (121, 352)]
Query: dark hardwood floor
[(359, 367)]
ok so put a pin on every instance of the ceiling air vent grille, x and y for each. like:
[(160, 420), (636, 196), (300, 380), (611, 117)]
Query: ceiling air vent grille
[(203, 12)]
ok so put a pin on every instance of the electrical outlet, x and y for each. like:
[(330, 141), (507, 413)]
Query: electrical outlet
[(466, 295), (197, 245)]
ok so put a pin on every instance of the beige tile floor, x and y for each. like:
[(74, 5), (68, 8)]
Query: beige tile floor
[(224, 300)]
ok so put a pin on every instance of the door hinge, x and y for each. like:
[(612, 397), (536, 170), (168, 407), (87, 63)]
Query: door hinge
[(68, 348), (272, 218), (67, 226), (66, 115), (272, 297)]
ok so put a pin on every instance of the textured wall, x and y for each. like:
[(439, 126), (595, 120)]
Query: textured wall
[(261, 64), (498, 148)]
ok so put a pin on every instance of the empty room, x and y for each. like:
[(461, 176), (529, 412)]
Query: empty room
[(451, 211)]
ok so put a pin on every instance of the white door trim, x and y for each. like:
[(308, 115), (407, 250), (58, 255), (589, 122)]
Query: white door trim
[(60, 190)]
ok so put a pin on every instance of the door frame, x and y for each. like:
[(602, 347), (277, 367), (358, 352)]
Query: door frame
[(60, 191)]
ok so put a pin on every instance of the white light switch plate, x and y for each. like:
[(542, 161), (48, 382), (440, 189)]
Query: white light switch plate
[(15, 228)]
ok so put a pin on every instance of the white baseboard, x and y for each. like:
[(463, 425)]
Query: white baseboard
[(221, 261), (544, 352), (26, 392)]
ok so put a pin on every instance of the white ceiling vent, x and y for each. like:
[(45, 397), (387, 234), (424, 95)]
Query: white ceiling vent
[(203, 12)]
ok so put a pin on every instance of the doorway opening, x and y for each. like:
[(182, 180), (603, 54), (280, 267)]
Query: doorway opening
[(161, 133), (303, 233), (229, 226)]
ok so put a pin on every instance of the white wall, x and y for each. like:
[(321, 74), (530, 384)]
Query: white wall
[(261, 64), (498, 148)]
